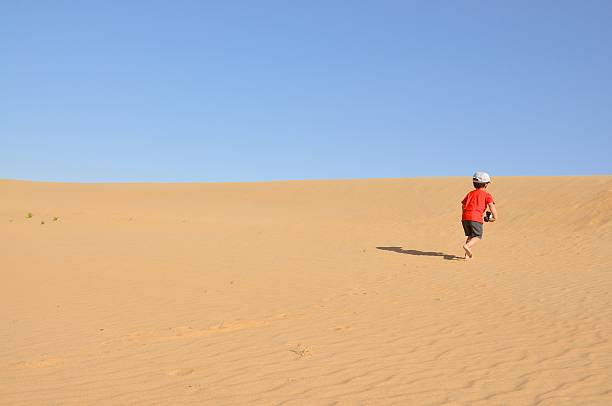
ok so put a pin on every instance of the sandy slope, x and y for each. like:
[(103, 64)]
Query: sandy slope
[(335, 292)]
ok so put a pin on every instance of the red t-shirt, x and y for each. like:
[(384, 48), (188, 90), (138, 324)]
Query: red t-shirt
[(474, 205)]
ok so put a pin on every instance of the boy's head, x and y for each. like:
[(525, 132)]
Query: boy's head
[(481, 180)]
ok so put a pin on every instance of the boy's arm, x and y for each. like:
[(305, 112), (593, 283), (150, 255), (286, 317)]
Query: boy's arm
[(493, 211)]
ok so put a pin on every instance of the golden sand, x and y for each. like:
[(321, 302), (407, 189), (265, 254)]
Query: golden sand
[(305, 293)]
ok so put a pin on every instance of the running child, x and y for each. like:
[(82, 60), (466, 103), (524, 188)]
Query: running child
[(473, 207)]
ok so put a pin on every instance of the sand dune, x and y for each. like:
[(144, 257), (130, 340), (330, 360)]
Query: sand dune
[(314, 292)]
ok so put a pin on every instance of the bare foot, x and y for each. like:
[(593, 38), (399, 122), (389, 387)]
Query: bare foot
[(468, 251)]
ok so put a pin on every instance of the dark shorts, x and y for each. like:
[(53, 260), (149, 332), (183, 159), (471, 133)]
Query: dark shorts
[(472, 228)]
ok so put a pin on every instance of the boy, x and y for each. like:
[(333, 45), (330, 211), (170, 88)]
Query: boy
[(473, 206)]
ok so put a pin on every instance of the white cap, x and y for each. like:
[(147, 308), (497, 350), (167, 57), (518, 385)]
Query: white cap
[(481, 177)]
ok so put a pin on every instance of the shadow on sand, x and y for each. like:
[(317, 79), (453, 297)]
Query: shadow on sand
[(400, 250)]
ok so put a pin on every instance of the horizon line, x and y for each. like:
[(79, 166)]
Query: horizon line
[(289, 180)]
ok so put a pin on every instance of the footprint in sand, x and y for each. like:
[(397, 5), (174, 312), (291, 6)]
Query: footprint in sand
[(181, 372), (192, 388)]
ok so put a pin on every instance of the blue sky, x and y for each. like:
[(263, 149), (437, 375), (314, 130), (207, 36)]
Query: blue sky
[(268, 90)]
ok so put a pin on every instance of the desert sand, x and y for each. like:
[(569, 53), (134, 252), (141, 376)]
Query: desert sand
[(305, 293)]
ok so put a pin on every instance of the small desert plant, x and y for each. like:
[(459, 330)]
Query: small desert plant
[(42, 222), (300, 351), (29, 215), (55, 218)]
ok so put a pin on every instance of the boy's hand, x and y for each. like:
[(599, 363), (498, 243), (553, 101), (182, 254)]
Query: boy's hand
[(493, 211)]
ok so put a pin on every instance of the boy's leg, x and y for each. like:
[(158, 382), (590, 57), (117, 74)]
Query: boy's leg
[(471, 241), (468, 252)]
